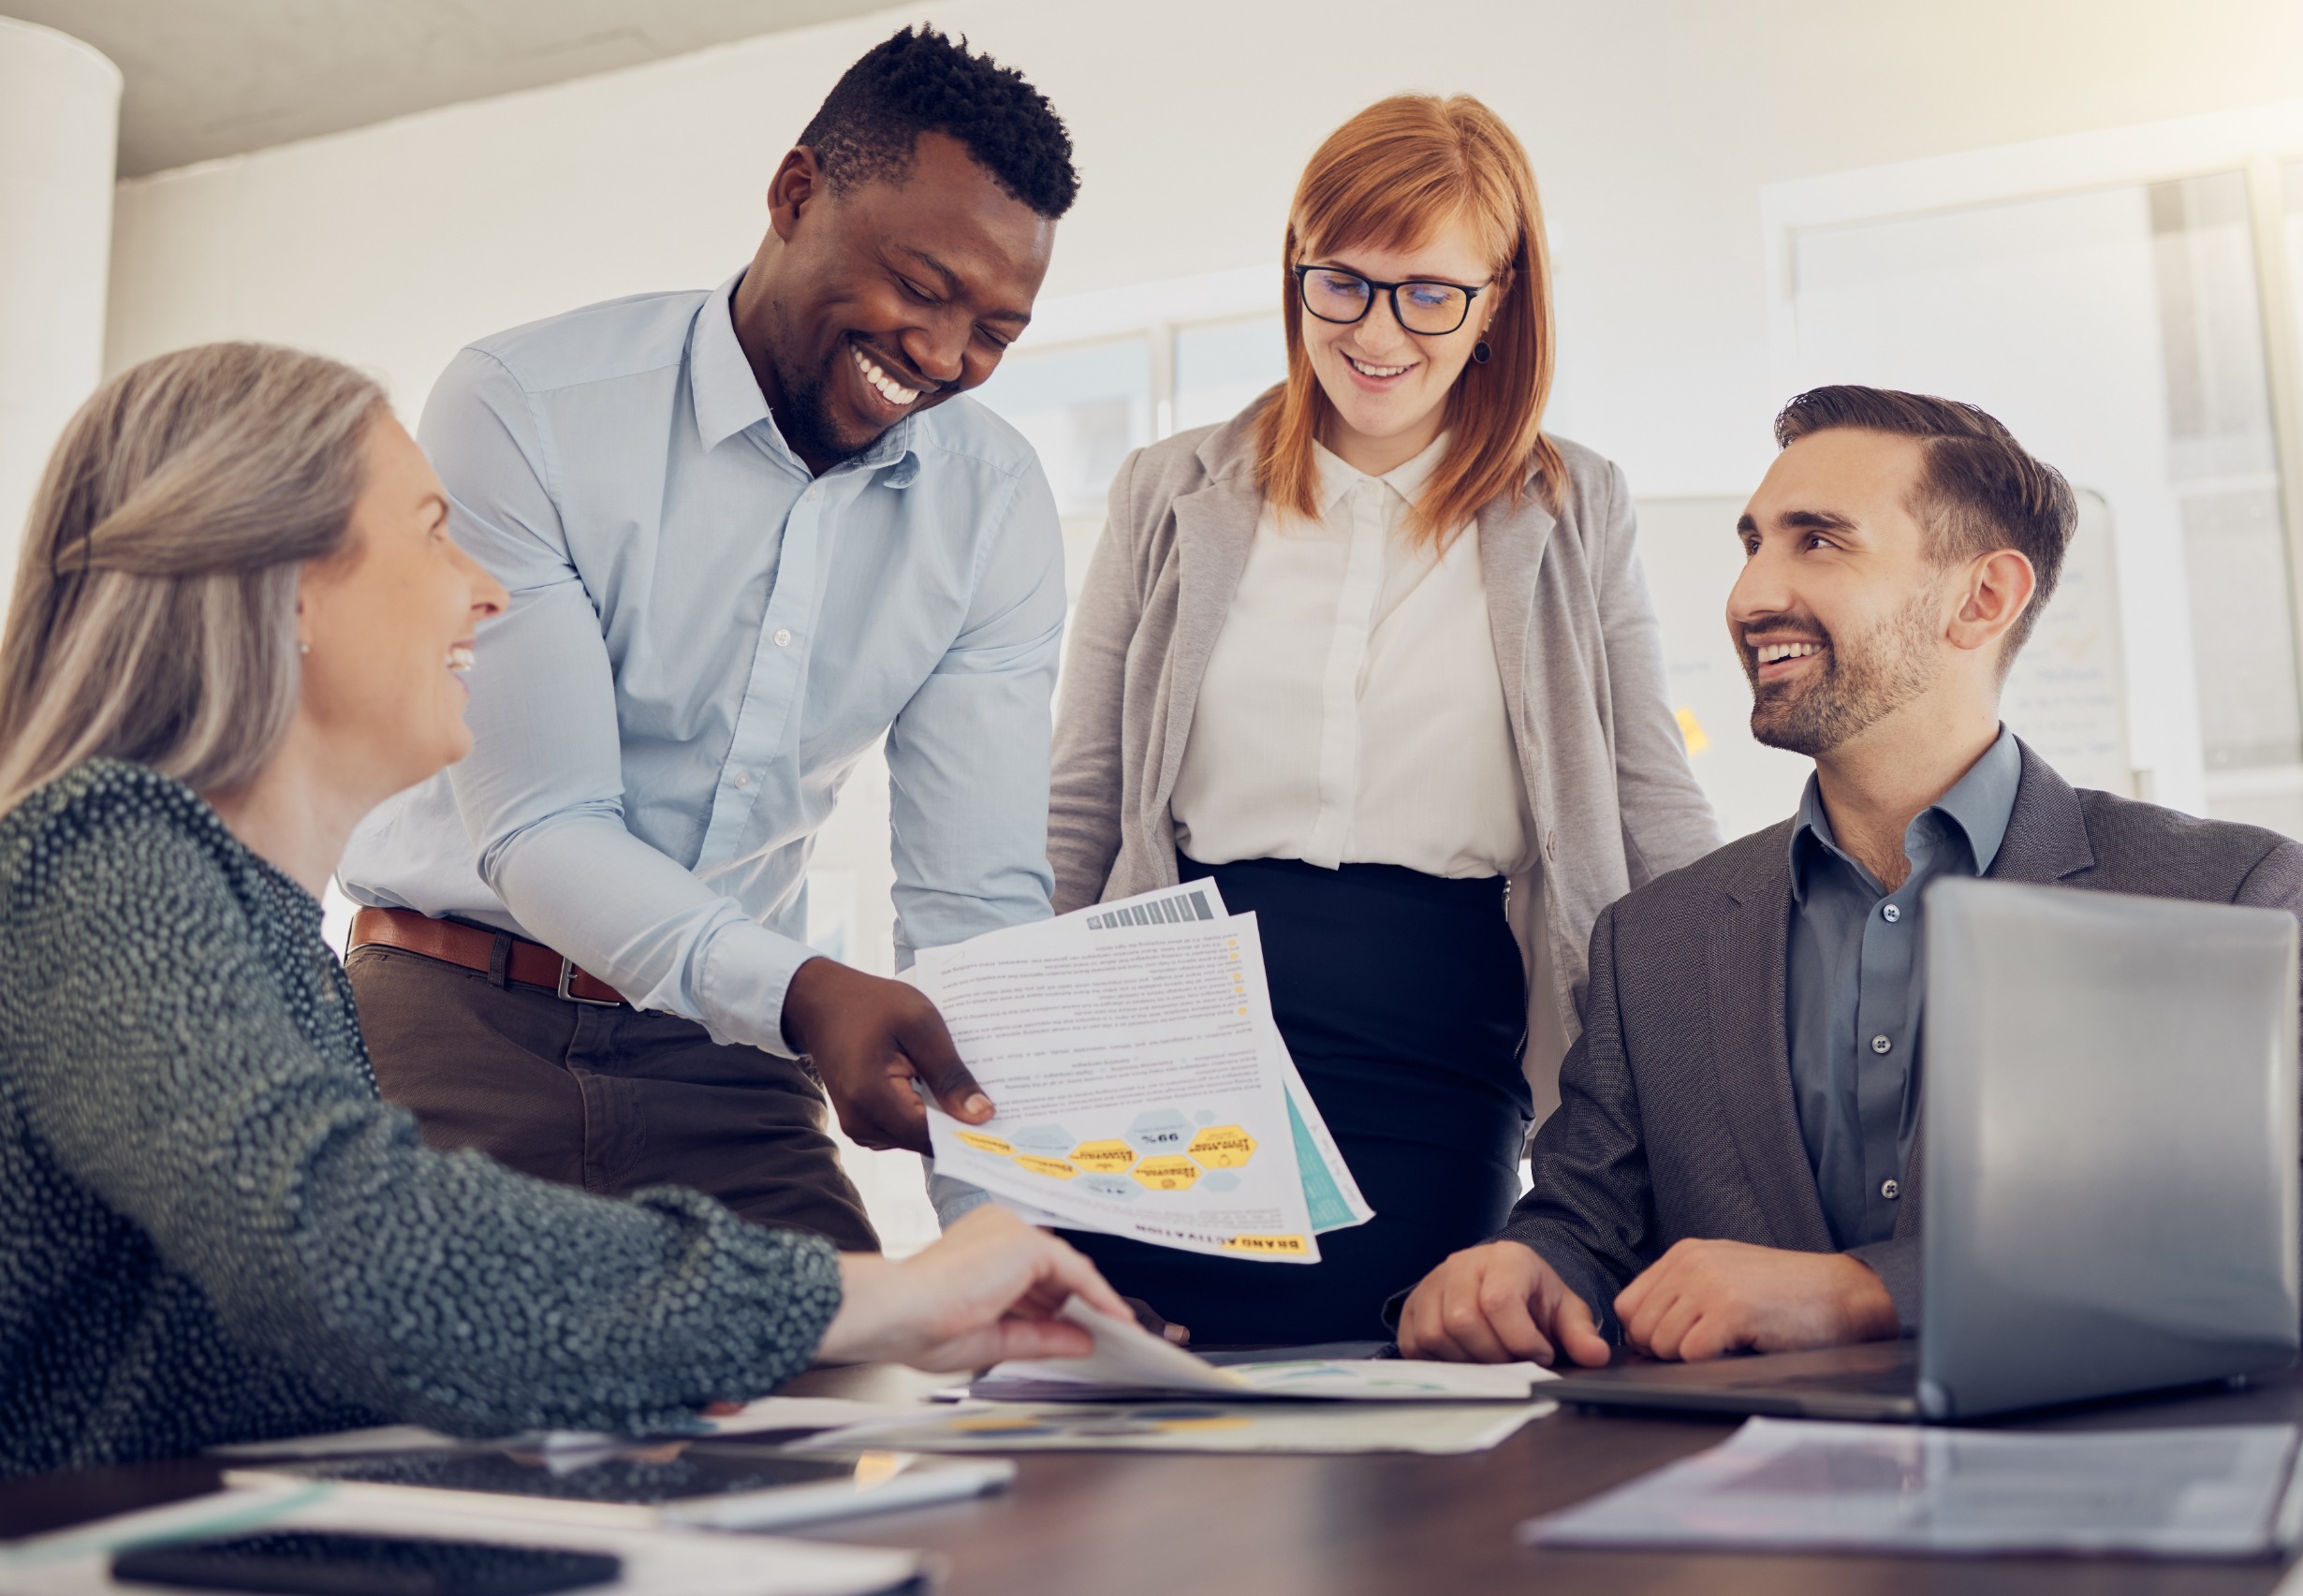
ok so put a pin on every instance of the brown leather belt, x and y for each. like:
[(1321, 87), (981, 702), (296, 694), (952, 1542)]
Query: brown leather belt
[(530, 963)]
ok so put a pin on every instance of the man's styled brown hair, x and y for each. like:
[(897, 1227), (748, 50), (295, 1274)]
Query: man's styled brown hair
[(1978, 490)]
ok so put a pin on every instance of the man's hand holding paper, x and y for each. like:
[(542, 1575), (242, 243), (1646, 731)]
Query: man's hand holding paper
[(1142, 1087)]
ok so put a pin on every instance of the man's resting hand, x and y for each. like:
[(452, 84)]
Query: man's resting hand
[(1703, 1299), (870, 1038), (1500, 1303)]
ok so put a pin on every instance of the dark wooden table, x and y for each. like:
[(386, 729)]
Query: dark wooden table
[(1119, 1524)]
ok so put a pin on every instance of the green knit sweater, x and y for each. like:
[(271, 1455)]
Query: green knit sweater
[(212, 1230)]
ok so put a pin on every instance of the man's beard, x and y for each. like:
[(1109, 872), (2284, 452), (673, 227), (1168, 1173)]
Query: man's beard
[(807, 424), (1863, 681)]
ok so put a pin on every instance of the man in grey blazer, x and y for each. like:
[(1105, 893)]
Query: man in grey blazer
[(1735, 1162)]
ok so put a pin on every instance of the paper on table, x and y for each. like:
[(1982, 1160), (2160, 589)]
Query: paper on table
[(1137, 1093), (1203, 1426), (341, 1443), (1804, 1485), (767, 1413), (1128, 1358), (656, 1562), (1127, 1355)]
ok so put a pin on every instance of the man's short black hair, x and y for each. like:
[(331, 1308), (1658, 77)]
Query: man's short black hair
[(919, 82), (1979, 489)]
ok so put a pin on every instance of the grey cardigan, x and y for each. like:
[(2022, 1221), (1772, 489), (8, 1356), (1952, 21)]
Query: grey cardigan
[(1613, 802)]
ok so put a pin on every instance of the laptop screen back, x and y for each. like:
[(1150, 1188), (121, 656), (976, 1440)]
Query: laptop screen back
[(2109, 1178)]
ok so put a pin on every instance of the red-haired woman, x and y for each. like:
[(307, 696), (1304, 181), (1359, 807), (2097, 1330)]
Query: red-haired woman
[(1376, 655)]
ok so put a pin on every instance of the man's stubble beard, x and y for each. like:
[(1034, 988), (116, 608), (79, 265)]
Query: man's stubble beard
[(808, 426), (805, 418), (1864, 680)]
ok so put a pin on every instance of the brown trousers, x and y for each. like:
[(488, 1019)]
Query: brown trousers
[(609, 1099)]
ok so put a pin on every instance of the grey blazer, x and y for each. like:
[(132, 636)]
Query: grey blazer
[(1676, 1118), (1575, 641)]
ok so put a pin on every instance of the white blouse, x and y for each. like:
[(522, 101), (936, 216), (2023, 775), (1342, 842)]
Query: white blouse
[(1352, 712)]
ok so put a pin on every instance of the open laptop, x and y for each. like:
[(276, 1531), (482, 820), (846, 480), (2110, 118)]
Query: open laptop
[(2110, 1190)]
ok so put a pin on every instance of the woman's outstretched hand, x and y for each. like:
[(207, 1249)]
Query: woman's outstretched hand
[(986, 1291)]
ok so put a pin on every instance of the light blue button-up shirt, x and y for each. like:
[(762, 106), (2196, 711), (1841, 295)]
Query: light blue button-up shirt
[(703, 639)]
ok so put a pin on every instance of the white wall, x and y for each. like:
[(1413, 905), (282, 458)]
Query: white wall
[(1652, 126), (59, 126)]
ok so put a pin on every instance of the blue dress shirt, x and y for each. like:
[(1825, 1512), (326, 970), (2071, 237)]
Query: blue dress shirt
[(703, 639), (1855, 981)]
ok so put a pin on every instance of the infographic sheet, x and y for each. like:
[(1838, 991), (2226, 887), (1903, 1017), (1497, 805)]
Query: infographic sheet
[(1142, 1085)]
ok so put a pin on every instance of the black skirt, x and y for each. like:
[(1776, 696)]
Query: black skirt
[(1401, 996)]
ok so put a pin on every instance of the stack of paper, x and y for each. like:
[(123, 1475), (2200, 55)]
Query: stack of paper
[(1142, 1085)]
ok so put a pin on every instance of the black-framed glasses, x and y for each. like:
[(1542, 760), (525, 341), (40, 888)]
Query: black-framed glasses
[(1430, 310)]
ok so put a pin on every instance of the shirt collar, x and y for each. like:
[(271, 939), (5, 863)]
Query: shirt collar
[(1978, 806), (728, 401), (727, 394), (1406, 479)]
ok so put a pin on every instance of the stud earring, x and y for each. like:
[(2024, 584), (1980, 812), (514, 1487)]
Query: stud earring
[(1481, 354), (302, 647)]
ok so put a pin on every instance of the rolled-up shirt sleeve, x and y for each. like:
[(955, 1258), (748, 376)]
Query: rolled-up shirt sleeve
[(542, 792)]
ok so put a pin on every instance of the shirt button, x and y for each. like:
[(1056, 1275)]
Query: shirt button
[(1890, 913), (1881, 1044), (783, 637), (744, 780), (1889, 1190)]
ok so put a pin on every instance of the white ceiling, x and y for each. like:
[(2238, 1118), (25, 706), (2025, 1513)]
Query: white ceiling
[(207, 77)]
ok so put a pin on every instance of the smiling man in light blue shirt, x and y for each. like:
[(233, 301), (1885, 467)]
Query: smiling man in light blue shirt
[(747, 532)]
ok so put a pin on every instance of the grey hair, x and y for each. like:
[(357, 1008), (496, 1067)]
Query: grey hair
[(153, 616)]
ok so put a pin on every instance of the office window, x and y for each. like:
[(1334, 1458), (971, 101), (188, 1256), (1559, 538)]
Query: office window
[(2223, 465), (2120, 333), (1222, 365), (1083, 407)]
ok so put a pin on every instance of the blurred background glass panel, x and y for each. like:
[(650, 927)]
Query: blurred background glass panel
[(1222, 365), (1083, 406)]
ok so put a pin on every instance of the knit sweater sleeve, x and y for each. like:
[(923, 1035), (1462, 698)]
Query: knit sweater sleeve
[(155, 1045)]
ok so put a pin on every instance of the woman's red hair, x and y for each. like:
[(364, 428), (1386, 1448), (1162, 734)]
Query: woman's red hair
[(1394, 177)]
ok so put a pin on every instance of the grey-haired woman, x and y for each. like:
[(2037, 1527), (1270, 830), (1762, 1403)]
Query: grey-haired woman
[(238, 623)]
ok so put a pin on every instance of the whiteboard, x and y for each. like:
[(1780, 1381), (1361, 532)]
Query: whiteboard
[(2067, 694), (2066, 697)]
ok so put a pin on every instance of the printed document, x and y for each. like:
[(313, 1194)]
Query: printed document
[(1814, 1485), (1142, 1085), (1129, 1360), (1433, 1428)]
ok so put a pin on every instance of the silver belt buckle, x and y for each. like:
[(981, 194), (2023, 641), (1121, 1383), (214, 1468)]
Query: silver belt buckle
[(567, 974)]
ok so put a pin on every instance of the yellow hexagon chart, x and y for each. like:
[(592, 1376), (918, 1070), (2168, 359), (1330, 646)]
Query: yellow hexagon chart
[(1054, 1168), (1167, 1173), (982, 1143), (1105, 1158), (1222, 1147)]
